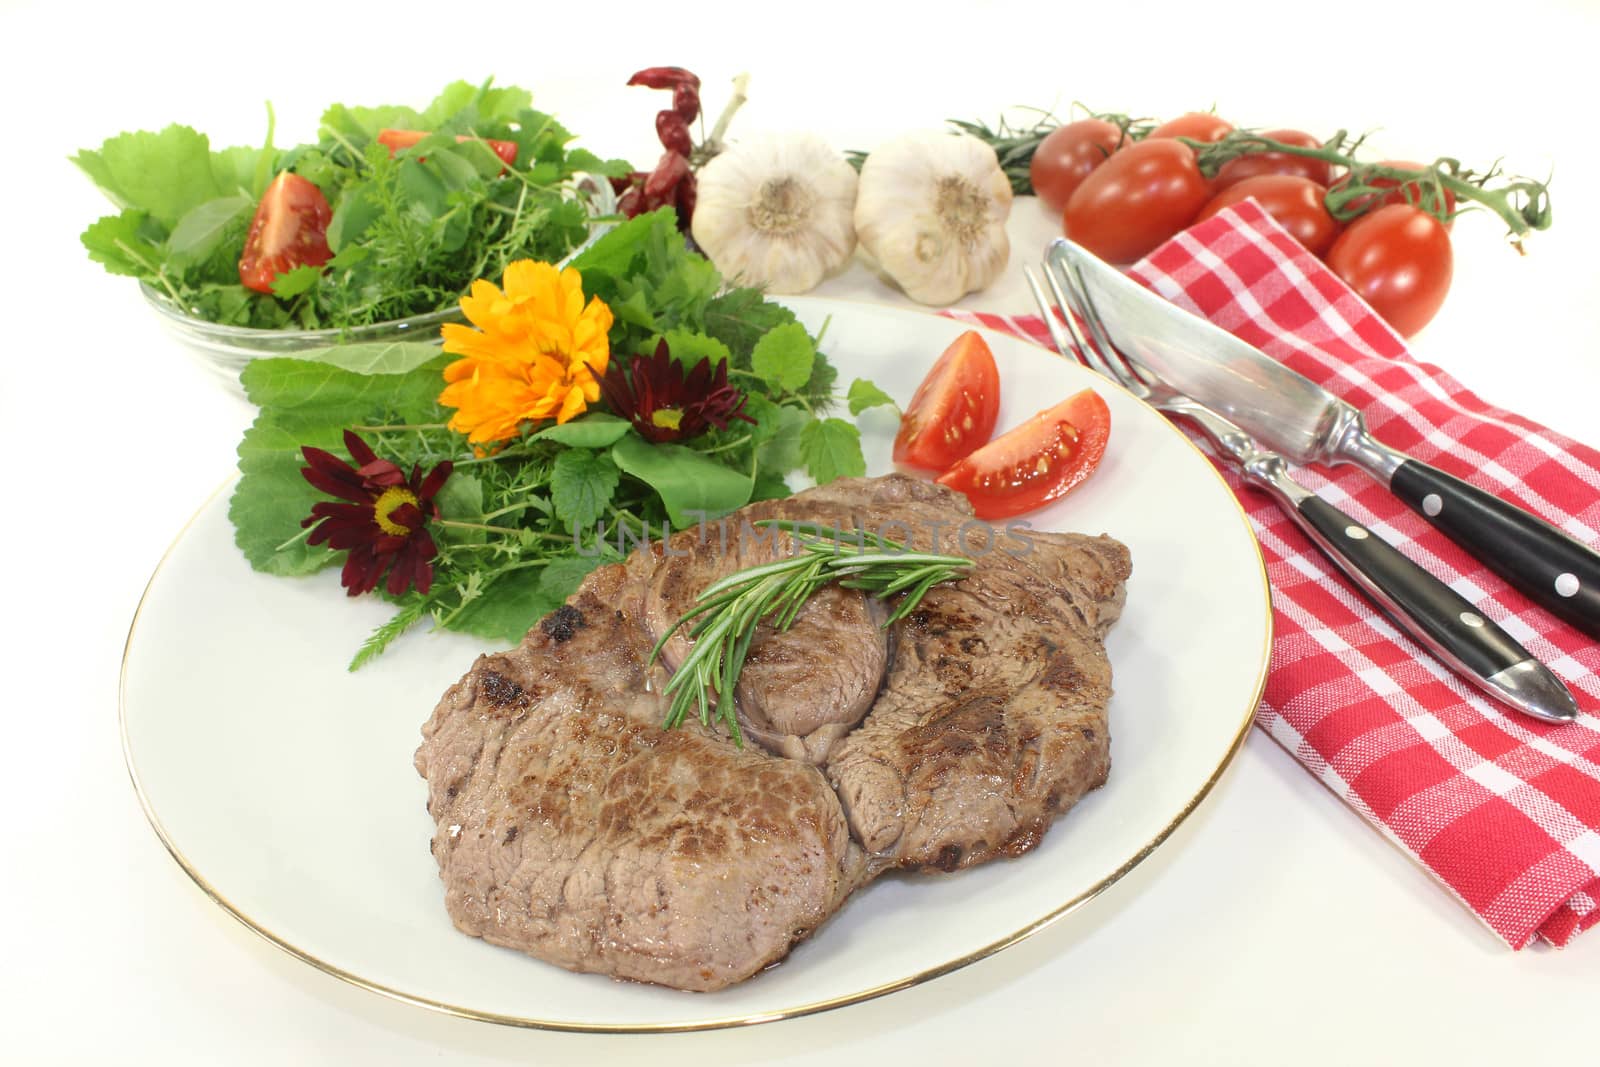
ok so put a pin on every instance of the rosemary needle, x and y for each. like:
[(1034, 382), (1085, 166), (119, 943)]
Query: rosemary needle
[(724, 619)]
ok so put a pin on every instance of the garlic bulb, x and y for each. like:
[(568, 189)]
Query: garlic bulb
[(932, 211), (776, 213)]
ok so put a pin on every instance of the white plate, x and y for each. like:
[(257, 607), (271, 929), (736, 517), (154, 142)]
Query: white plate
[(283, 784)]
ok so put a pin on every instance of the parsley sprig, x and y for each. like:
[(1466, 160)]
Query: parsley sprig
[(730, 609)]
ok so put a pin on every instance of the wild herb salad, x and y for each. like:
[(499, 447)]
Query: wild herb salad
[(389, 214), (582, 411)]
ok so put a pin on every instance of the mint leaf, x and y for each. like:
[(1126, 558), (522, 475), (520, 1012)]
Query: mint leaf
[(594, 430), (831, 449), (581, 485), (784, 357), (863, 395), (685, 480)]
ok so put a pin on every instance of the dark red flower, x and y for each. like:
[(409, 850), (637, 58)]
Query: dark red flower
[(666, 401), (383, 525)]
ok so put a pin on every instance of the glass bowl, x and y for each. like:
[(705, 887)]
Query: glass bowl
[(227, 349)]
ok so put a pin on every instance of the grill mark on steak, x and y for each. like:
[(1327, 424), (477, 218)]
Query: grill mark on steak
[(571, 826), (562, 623)]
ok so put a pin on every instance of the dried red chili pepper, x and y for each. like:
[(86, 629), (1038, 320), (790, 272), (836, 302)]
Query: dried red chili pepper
[(672, 182)]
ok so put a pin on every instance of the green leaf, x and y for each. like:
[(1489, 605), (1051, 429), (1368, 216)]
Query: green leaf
[(244, 170), (779, 453), (376, 357), (613, 255), (117, 243), (165, 174), (561, 577), (293, 282), (689, 347), (769, 486), (461, 498), (360, 125), (863, 395), (831, 449), (506, 608), (582, 483), (594, 430), (205, 226), (356, 211), (784, 357), (738, 318), (685, 480)]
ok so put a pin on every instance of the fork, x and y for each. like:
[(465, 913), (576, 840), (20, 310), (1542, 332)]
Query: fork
[(1433, 614)]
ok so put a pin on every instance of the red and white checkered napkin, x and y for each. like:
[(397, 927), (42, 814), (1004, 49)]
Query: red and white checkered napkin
[(1505, 811)]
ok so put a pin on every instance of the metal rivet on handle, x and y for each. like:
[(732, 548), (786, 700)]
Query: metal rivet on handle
[(1471, 619), (1355, 533), (1567, 584), (1432, 505)]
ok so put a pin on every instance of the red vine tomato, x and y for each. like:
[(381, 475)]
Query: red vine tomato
[(1135, 200), (1258, 163), (1067, 155), (1294, 201), (1196, 125), (1397, 259)]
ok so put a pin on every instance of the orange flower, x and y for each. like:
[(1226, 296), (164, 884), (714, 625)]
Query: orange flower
[(530, 356)]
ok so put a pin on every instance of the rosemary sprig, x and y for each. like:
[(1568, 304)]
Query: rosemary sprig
[(724, 619)]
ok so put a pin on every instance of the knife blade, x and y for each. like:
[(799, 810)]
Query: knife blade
[(1423, 607), (1295, 416)]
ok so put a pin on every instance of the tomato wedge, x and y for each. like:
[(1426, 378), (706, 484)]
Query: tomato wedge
[(953, 410), (1037, 462), (289, 230), (395, 140)]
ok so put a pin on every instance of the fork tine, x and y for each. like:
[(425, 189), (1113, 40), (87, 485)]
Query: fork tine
[(1080, 301), (1063, 343), (1096, 351)]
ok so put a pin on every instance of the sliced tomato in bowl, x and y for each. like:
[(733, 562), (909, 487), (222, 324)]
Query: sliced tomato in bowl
[(289, 230), (953, 411), (1039, 461)]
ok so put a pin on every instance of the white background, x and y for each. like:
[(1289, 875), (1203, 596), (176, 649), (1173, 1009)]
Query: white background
[(1273, 927)]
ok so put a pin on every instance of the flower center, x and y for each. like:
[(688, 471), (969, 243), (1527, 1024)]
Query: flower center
[(667, 418), (392, 499)]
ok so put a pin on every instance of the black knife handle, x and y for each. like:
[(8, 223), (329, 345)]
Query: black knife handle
[(1447, 621), (1559, 573)]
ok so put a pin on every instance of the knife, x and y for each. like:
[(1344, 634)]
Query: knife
[(1295, 416), (1433, 614)]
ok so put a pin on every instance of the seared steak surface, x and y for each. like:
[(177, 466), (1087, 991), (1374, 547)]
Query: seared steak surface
[(571, 826)]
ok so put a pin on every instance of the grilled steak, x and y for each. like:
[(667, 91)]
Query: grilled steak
[(570, 825), (573, 827), (799, 691)]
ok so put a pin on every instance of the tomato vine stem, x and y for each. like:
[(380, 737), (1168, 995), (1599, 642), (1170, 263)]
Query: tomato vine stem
[(1523, 204)]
